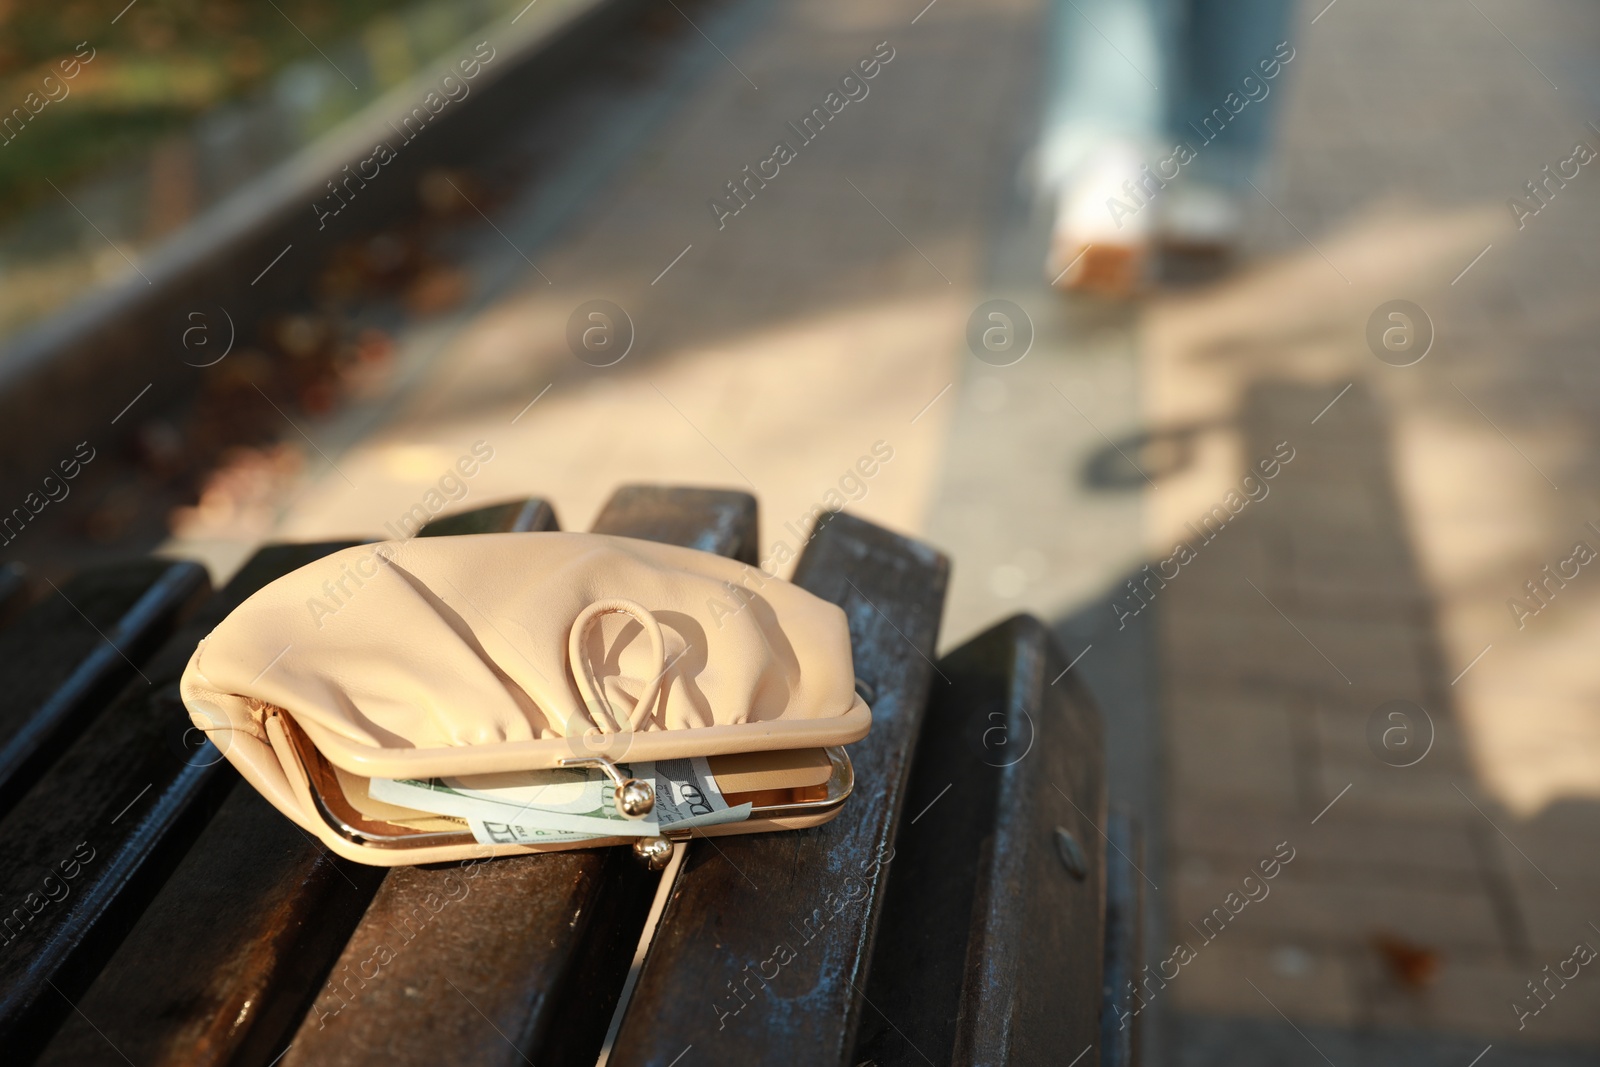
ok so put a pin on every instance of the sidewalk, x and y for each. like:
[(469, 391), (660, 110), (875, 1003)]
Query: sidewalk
[(1420, 502)]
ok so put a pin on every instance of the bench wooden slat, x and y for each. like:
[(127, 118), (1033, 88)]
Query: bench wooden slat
[(70, 653), (991, 948), (515, 960), (711, 520), (115, 811), (257, 912), (512, 516), (817, 892), (1119, 1038), (13, 592)]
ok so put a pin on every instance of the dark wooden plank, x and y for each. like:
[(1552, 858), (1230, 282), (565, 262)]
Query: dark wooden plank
[(1120, 995), (990, 950), (215, 968), (91, 841), (713, 978), (512, 516), (13, 592), (256, 913), (70, 653), (713, 520), (516, 960)]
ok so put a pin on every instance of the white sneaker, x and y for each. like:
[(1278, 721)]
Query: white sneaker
[(1100, 242)]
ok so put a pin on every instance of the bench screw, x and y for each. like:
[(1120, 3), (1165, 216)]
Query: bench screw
[(1071, 854)]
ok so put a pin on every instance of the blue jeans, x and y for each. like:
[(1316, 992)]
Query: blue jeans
[(1156, 74)]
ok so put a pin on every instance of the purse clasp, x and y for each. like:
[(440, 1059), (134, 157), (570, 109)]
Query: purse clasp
[(635, 799)]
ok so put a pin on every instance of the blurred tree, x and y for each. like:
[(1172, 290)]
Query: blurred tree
[(157, 64)]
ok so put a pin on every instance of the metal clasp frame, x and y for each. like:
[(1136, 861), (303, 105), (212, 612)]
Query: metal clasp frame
[(635, 799)]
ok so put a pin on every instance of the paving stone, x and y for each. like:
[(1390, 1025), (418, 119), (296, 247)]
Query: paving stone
[(1234, 751), (1343, 844), (1345, 911), (1304, 984), (1475, 996)]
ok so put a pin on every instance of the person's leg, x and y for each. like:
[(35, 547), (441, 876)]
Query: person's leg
[(1104, 119), (1105, 63), (1237, 56), (1236, 60)]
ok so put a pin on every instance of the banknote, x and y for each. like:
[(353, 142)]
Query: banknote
[(685, 789), (575, 806), (498, 833), (567, 804), (569, 790)]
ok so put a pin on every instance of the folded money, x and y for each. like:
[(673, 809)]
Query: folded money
[(568, 804)]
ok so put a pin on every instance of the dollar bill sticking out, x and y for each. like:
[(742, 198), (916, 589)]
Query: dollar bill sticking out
[(567, 804)]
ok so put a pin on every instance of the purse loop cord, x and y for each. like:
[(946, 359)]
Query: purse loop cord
[(601, 714)]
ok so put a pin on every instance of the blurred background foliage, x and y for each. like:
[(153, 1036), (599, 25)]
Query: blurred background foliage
[(183, 104), (157, 67)]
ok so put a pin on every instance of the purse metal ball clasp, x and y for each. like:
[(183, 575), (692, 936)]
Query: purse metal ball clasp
[(654, 852), (635, 799)]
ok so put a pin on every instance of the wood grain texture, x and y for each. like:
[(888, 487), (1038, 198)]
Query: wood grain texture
[(257, 912), (70, 653), (716, 977), (516, 960), (990, 951), (13, 592), (713, 520), (87, 846), (1119, 1023), (213, 971), (511, 516)]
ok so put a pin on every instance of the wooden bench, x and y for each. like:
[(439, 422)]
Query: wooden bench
[(154, 909)]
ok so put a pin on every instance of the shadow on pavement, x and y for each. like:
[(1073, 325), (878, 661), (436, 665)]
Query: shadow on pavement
[(1299, 695)]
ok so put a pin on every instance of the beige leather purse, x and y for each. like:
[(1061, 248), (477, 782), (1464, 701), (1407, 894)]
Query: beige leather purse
[(417, 701)]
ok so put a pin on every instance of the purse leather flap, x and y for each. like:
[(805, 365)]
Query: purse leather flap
[(497, 652)]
